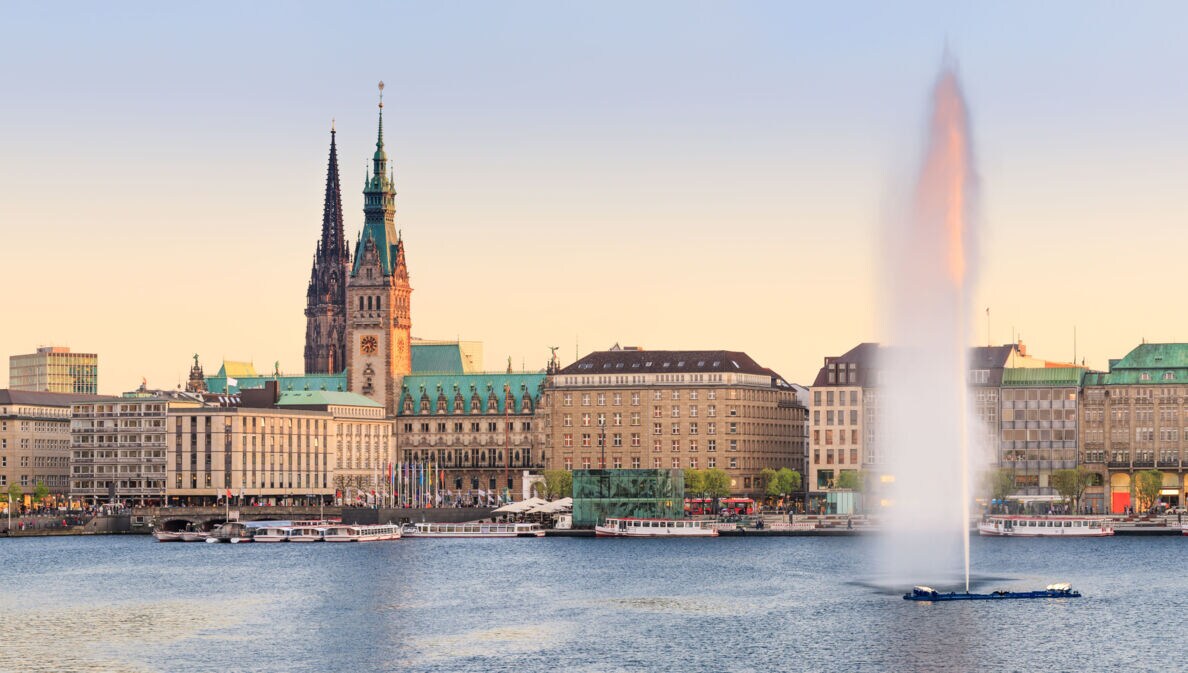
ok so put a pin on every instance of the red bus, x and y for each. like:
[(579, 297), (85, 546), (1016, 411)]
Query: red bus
[(726, 506)]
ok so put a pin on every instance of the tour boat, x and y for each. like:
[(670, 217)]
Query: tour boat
[(307, 533), (193, 536), (232, 531), (475, 529), (272, 534), (167, 535), (1044, 526), (928, 594), (632, 527), (361, 533)]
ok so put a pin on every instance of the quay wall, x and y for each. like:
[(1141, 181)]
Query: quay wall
[(415, 514)]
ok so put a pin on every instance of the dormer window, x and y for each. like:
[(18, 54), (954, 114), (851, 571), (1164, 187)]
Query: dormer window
[(1169, 376), (1145, 376)]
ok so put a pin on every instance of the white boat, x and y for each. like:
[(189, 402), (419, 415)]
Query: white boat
[(1044, 526), (362, 533), (193, 536), (272, 534), (167, 535), (307, 533), (475, 529), (232, 531), (632, 527)]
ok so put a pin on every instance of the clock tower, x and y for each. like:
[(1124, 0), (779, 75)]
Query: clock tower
[(378, 352)]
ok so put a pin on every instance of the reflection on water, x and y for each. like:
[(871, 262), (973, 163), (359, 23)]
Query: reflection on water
[(725, 604)]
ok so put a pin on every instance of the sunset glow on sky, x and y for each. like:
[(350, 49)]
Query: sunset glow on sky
[(669, 174)]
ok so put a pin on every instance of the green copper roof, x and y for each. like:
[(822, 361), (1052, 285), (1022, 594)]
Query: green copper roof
[(305, 398), (1147, 364), (525, 388), (436, 359), (1042, 376)]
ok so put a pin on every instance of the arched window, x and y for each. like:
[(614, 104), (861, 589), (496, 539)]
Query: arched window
[(360, 303), (369, 303), (377, 304)]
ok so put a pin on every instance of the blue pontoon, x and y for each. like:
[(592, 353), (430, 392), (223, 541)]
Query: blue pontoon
[(1059, 590)]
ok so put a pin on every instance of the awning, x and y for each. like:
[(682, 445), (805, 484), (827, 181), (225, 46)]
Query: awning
[(1035, 498)]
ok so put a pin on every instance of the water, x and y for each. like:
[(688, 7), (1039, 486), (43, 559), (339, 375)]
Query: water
[(596, 605), (931, 254)]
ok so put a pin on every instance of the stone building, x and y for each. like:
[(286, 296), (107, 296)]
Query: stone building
[(481, 432), (267, 446), (1038, 427), (632, 408), (35, 441), (325, 299), (118, 450), (54, 369), (1133, 418)]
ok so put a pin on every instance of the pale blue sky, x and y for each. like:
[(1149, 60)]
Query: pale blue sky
[(665, 174)]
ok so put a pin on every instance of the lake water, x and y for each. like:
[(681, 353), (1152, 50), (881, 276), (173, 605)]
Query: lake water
[(565, 604)]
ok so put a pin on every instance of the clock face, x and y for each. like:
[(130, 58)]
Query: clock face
[(368, 344)]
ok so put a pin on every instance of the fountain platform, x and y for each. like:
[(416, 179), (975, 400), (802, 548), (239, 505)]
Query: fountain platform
[(921, 593)]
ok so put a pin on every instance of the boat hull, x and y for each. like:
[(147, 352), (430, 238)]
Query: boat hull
[(995, 596), (167, 536)]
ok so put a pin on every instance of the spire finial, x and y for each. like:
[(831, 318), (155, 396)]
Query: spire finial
[(332, 125)]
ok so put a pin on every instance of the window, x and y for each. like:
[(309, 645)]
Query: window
[(676, 394), (656, 412), (692, 463), (585, 439), (635, 439), (656, 446), (618, 399), (585, 399), (656, 462), (693, 428), (711, 410), (567, 440), (585, 462), (635, 399), (692, 411), (711, 462), (676, 463), (567, 421), (711, 428), (676, 411), (617, 439), (567, 400), (657, 429), (693, 445), (676, 428), (617, 462), (585, 420), (711, 445), (657, 395), (635, 418), (618, 419), (676, 445), (733, 463), (635, 462)]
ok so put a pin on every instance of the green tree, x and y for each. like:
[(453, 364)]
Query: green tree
[(1071, 484), (557, 484), (40, 492), (771, 484), (14, 496), (695, 482), (717, 483), (789, 481), (1147, 485), (1000, 483), (848, 480)]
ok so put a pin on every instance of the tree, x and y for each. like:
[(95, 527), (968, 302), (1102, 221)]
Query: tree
[(14, 495), (717, 483), (1000, 483), (1147, 485), (1071, 484), (40, 492), (695, 482), (557, 484), (788, 480), (848, 480), (771, 484)]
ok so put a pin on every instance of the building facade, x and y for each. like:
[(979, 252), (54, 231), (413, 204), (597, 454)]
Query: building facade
[(1039, 427), (325, 299), (1134, 417), (35, 441), (118, 450), (633, 409), (54, 369), (481, 432)]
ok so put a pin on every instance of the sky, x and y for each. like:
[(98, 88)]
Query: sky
[(670, 175)]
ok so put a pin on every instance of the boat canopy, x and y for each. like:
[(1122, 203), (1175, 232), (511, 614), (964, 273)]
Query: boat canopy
[(520, 507), (1060, 586), (924, 589)]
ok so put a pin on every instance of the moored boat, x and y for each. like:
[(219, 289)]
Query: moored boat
[(632, 527), (928, 594), (193, 535), (232, 531), (272, 534), (167, 535), (307, 533), (362, 533), (474, 529), (1044, 526)]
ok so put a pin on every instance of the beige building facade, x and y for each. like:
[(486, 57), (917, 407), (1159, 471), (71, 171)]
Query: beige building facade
[(635, 409), (35, 442), (118, 450)]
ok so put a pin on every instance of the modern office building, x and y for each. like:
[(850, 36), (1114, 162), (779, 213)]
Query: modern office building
[(54, 369), (1039, 427), (628, 408), (35, 441), (118, 450)]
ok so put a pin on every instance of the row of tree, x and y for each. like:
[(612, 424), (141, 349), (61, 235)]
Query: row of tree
[(1071, 485), (709, 483), (40, 493)]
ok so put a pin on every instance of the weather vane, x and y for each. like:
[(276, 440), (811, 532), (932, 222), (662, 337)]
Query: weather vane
[(381, 88)]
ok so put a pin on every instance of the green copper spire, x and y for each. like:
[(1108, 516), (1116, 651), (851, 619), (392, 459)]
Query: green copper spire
[(379, 205), (381, 157)]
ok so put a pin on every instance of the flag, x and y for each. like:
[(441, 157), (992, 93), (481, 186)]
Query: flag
[(228, 494), (231, 382)]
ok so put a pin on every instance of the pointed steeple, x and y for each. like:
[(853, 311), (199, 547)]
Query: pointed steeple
[(333, 243), (380, 159), (379, 204)]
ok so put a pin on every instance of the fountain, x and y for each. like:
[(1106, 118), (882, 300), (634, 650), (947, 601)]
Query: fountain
[(923, 410)]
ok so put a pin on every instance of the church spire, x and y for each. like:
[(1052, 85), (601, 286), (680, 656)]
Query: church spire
[(380, 159), (333, 243)]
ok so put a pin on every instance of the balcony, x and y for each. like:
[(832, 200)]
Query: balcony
[(1169, 462), (1144, 463), (1118, 464)]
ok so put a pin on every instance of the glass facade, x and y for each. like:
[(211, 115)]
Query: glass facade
[(598, 494)]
